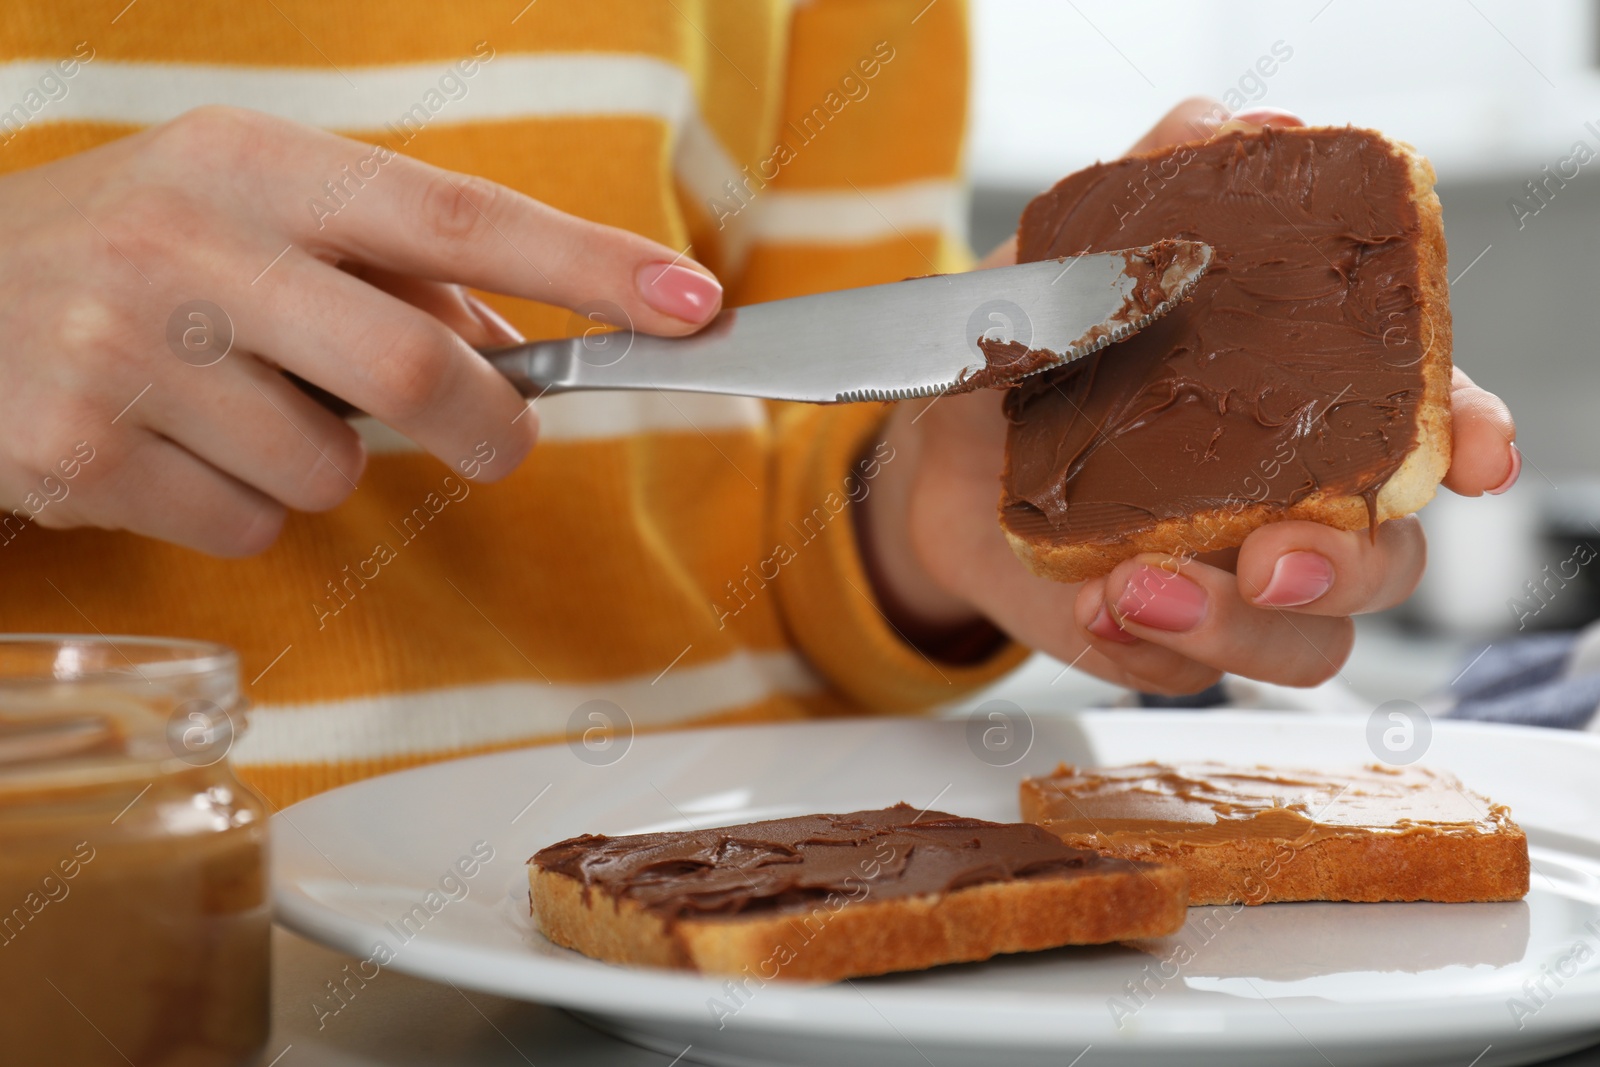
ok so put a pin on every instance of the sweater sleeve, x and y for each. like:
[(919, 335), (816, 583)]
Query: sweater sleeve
[(871, 129), (827, 460)]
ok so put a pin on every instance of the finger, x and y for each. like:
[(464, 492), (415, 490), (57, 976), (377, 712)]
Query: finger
[(1179, 677), (1004, 254), (1257, 118), (1060, 620), (1195, 119), (972, 562), (468, 315), (1149, 669), (1196, 611), (1200, 117), (1123, 659), (402, 366), (1317, 570), (1484, 457), (151, 486), (421, 220), (246, 420)]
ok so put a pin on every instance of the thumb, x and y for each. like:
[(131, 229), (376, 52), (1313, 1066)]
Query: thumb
[(1201, 117), (1195, 119), (1004, 254)]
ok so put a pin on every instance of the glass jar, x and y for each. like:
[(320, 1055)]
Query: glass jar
[(134, 918)]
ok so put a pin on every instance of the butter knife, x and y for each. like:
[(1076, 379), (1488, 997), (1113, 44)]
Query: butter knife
[(897, 341)]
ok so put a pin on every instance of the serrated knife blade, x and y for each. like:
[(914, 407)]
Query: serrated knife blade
[(896, 341)]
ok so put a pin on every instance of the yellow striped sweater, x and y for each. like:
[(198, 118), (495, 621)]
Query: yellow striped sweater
[(686, 558)]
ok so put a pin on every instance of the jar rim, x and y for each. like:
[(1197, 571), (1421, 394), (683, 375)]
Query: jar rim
[(143, 656)]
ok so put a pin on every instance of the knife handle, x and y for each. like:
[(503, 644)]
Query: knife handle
[(541, 368)]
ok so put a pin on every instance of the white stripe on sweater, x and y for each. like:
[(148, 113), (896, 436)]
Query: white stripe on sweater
[(447, 720)]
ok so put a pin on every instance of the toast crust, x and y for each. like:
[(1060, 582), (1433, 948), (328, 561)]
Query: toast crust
[(843, 938), (1369, 868), (1410, 487)]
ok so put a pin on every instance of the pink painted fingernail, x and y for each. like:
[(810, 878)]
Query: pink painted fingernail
[(1516, 472), (494, 322), (1298, 578), (1268, 116), (675, 290), (1106, 627), (1161, 600)]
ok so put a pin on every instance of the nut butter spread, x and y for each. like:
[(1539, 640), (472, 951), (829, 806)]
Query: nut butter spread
[(1209, 803), (134, 919), (1295, 367), (790, 864)]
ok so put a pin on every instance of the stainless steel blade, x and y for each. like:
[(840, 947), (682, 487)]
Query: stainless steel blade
[(884, 342)]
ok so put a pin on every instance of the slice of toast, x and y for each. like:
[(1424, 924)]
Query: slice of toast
[(1307, 378), (1256, 835), (827, 897)]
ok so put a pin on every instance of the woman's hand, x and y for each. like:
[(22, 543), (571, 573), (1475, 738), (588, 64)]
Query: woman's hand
[(361, 296), (1277, 609)]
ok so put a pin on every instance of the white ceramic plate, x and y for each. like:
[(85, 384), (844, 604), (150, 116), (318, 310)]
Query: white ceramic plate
[(375, 869)]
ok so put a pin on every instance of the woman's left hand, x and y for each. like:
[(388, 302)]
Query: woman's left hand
[(1277, 609)]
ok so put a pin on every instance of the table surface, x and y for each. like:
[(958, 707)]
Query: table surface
[(401, 1021)]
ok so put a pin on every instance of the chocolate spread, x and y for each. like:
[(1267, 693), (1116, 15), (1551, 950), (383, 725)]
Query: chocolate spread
[(1158, 271), (1295, 367), (1209, 803), (790, 864)]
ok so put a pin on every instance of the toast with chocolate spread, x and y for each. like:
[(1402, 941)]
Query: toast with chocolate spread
[(1308, 377), (827, 897)]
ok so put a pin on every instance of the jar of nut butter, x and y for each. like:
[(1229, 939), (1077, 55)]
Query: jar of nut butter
[(134, 919)]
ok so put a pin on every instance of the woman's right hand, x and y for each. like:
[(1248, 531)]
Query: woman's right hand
[(363, 298)]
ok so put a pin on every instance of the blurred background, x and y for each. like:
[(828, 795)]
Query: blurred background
[(1504, 98)]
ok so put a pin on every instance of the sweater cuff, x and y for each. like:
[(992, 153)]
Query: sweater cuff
[(827, 460)]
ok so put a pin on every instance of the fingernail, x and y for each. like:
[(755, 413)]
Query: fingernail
[(1161, 600), (1516, 472), (1297, 578), (498, 327), (678, 291), (1268, 116), (1105, 626)]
